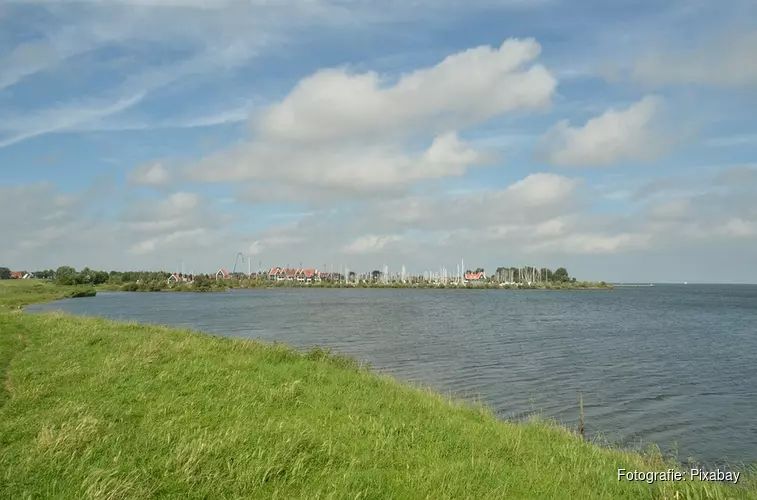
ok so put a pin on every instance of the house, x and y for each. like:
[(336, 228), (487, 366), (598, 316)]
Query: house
[(174, 278), (306, 275), (222, 273), (479, 276), (17, 275), (29, 276), (275, 274)]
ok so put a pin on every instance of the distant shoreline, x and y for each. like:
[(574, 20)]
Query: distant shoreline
[(188, 287)]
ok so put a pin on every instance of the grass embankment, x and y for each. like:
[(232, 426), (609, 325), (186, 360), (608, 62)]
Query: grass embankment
[(97, 409), (15, 294)]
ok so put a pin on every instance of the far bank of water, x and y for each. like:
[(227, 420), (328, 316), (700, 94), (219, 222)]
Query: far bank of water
[(673, 365)]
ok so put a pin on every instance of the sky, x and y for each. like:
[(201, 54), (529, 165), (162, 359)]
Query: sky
[(616, 139)]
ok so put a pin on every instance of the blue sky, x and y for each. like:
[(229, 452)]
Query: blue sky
[(617, 139)]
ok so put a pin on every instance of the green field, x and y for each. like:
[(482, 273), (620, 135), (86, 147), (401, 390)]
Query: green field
[(91, 408), (15, 294)]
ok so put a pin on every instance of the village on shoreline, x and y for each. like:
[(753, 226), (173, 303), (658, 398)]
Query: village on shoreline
[(278, 277)]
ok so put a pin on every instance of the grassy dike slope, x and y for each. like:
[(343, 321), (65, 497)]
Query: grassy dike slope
[(97, 409)]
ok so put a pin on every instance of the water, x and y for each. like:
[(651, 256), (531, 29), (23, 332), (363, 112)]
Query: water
[(672, 365)]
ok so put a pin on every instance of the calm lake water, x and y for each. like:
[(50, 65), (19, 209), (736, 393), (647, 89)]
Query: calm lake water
[(672, 365)]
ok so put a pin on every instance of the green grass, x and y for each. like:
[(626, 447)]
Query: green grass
[(97, 409), (15, 294)]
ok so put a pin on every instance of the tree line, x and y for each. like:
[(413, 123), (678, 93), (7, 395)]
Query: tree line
[(530, 274), (159, 280), (125, 280)]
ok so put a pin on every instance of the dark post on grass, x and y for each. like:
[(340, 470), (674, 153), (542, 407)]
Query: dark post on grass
[(581, 410)]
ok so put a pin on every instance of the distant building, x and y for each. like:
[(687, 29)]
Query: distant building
[(222, 274), (475, 277), (306, 275)]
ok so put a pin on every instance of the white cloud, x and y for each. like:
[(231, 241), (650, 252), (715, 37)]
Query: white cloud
[(624, 135), (86, 114), (465, 88), (727, 62), (215, 44), (371, 244), (593, 244), (72, 28), (739, 227), (197, 237), (677, 208), (150, 174), (541, 189), (350, 133), (534, 199), (63, 118), (539, 220), (292, 173), (56, 47)]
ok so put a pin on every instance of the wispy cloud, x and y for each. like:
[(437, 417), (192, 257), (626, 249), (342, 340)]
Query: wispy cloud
[(90, 114), (732, 140), (56, 120)]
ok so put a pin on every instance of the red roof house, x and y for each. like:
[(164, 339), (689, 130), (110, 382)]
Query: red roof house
[(306, 275), (274, 272), (479, 276)]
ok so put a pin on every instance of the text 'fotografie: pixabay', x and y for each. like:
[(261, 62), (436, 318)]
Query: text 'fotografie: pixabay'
[(674, 475)]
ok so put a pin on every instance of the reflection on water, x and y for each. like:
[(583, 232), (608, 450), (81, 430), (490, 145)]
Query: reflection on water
[(666, 364)]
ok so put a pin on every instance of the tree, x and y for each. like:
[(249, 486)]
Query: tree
[(65, 275), (5, 273), (561, 275), (86, 275), (100, 277)]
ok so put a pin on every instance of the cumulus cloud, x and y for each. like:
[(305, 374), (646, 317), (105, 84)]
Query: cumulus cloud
[(539, 220), (615, 136), (464, 88), (181, 219), (70, 229), (534, 199), (352, 133), (150, 174), (338, 167)]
